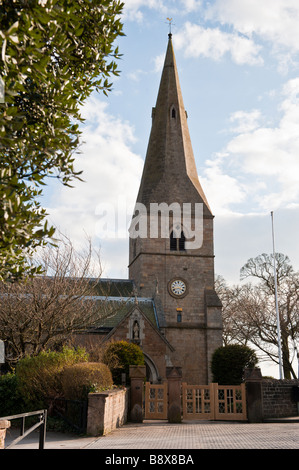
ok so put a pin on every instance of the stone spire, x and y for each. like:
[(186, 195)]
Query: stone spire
[(169, 173)]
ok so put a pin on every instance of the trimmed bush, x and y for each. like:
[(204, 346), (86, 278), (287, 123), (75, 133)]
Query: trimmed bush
[(80, 379), (11, 401), (39, 377), (119, 356), (229, 362)]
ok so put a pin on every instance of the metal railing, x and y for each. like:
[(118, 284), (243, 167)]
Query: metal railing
[(73, 412), (41, 424)]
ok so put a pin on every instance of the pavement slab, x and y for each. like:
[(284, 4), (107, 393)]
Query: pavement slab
[(201, 435), (153, 435)]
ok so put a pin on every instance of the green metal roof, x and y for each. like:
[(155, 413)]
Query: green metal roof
[(113, 287), (114, 299), (115, 310)]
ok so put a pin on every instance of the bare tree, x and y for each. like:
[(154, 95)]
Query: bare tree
[(44, 312), (249, 314), (237, 301), (262, 267)]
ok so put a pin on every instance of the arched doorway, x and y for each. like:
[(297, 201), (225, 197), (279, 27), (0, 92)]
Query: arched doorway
[(152, 374)]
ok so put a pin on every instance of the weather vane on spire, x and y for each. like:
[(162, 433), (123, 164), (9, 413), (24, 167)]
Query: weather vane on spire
[(169, 20)]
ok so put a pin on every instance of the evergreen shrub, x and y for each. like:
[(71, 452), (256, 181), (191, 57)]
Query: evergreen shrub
[(80, 379), (229, 362), (11, 401), (39, 377), (119, 356)]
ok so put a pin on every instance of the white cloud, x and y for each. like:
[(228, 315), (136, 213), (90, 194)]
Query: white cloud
[(136, 75), (245, 121), (133, 8), (215, 44), (111, 173), (274, 151), (272, 20), (223, 191), (191, 5), (159, 61), (259, 167)]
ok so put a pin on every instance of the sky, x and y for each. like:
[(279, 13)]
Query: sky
[(238, 64)]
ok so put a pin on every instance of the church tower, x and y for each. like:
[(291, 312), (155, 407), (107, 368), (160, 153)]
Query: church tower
[(174, 265)]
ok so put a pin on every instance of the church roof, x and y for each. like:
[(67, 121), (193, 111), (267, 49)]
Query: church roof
[(170, 173), (114, 299), (116, 309), (113, 287)]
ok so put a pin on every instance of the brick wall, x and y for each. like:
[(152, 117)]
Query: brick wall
[(107, 411), (277, 397)]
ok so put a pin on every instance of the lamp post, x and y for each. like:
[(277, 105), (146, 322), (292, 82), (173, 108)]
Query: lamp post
[(276, 305)]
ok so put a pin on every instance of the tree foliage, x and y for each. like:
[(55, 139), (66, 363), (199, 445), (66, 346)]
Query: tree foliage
[(11, 399), (54, 53), (82, 378), (119, 356), (39, 377), (229, 362)]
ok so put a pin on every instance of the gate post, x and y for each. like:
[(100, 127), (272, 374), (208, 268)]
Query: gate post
[(253, 383), (137, 376), (174, 378), (4, 424)]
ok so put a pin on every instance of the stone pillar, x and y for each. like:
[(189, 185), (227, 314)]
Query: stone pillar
[(4, 424), (137, 376), (254, 399), (106, 411), (174, 379)]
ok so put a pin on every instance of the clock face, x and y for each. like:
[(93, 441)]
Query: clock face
[(178, 287)]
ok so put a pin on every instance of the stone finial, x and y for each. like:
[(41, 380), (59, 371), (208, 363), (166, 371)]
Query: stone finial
[(137, 372), (252, 375), (173, 372)]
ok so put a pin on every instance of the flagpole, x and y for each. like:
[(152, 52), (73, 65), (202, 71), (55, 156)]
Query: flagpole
[(276, 305)]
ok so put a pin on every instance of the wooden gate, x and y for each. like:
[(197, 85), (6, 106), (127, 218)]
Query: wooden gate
[(230, 402), (197, 401), (219, 402), (156, 401)]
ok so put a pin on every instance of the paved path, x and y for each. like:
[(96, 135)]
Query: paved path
[(201, 435), (187, 435)]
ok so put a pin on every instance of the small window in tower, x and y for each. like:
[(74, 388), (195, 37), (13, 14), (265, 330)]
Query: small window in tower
[(173, 242), (177, 244), (173, 113), (179, 318), (182, 242)]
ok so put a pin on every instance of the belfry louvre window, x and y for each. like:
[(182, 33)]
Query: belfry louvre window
[(177, 243)]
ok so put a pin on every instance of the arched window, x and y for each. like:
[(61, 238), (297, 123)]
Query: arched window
[(177, 243), (182, 242), (173, 242), (173, 113)]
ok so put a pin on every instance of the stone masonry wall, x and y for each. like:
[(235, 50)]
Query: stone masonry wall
[(278, 398), (152, 344), (4, 424), (107, 411)]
